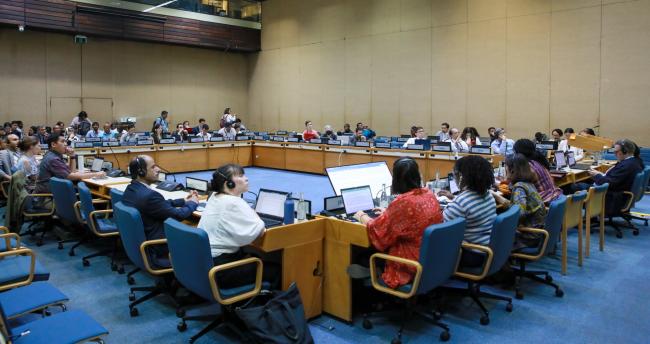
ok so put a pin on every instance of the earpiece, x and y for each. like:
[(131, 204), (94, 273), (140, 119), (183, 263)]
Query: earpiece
[(142, 167), (229, 183)]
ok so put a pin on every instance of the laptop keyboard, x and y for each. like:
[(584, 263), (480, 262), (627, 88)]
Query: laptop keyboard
[(581, 166), (268, 223)]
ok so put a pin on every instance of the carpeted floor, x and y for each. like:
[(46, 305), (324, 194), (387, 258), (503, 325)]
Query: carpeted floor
[(606, 301)]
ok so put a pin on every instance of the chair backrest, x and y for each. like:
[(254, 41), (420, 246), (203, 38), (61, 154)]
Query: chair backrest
[(503, 236), (5, 330), (86, 199), (189, 249), (129, 223), (439, 253), (573, 212), (116, 196), (554, 220), (644, 183), (637, 186), (596, 199), (64, 199)]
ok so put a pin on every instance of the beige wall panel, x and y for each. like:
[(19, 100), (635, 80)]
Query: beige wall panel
[(310, 85), (272, 24), (626, 73), (386, 67), (255, 92), (332, 76), (486, 74), (448, 12), (415, 80), (449, 75), (332, 18), (101, 110), (61, 109), (272, 81), (415, 14), (528, 75), (229, 73), (211, 71), (290, 29), (358, 79), (309, 22), (358, 18), (478, 10), (97, 68), (385, 16), (561, 5), (575, 68), (63, 61), (183, 77), (290, 90), (526, 7)]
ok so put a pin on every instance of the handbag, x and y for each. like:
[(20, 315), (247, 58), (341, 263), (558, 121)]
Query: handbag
[(280, 319)]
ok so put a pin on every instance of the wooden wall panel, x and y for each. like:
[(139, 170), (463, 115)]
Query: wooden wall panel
[(414, 75), (385, 81), (449, 75)]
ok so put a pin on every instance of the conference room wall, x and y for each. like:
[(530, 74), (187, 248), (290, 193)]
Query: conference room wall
[(46, 78), (529, 66)]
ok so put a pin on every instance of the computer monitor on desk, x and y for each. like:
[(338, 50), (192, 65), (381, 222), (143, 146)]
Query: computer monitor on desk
[(374, 174)]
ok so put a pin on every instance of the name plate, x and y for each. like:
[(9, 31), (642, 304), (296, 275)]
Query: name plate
[(402, 139), (316, 141), (81, 144), (278, 139), (110, 144), (197, 140), (259, 138), (480, 150), (44, 146), (167, 141), (242, 138), (440, 147), (415, 147), (145, 142), (334, 142), (281, 132), (362, 144), (93, 139), (262, 133), (216, 139), (383, 145), (293, 139)]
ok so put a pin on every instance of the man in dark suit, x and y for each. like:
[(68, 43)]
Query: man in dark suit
[(153, 207)]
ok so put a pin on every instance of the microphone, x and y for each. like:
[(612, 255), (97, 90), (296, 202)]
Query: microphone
[(168, 172)]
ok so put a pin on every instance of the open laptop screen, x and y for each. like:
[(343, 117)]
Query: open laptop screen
[(358, 198), (560, 159), (97, 165), (571, 159), (196, 184), (162, 176), (270, 202)]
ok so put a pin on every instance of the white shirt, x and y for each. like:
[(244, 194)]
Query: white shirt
[(459, 146), (206, 136), (228, 135), (563, 146), (230, 223), (410, 141)]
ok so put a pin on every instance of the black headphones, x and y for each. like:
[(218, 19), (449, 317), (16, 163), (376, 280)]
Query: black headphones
[(138, 167), (229, 183), (622, 143)]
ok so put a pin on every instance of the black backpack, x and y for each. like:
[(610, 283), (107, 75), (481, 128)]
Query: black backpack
[(83, 128)]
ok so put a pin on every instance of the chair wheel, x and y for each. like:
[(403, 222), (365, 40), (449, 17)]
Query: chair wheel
[(509, 306), (396, 341), (131, 296), (559, 292), (367, 324), (182, 326), (444, 336), (85, 263), (130, 280), (120, 270), (180, 313), (60, 247), (635, 232), (518, 295), (134, 312), (619, 235), (549, 278), (485, 320)]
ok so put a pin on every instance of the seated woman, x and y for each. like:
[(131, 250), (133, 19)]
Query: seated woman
[(524, 195), (232, 224), (470, 136), (309, 132), (398, 229), (27, 163), (156, 133), (539, 164), (474, 203)]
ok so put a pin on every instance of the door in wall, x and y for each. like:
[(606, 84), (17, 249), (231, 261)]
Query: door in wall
[(62, 109), (98, 109)]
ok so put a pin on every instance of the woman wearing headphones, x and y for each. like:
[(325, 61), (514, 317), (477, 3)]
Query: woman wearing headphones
[(398, 229), (232, 224)]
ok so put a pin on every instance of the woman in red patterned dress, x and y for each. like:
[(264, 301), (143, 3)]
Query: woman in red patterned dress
[(398, 229)]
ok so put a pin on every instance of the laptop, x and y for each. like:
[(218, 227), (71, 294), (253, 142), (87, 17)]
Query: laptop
[(560, 160), (97, 165), (199, 185), (334, 205), (571, 160), (358, 198), (270, 207), (453, 186)]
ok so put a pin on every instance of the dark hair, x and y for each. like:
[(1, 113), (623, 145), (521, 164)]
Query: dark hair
[(445, 124), (96, 123), (83, 114), (307, 122), (559, 131), (527, 148), (490, 128), (224, 174), (589, 131), (474, 173), (627, 146), (164, 112), (136, 164), (27, 143), (156, 126), (519, 169), (53, 139), (406, 176), (539, 136), (226, 111), (467, 131), (237, 120), (201, 120), (205, 126), (569, 130)]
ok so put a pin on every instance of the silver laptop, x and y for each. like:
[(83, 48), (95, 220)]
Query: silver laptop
[(358, 198), (270, 206)]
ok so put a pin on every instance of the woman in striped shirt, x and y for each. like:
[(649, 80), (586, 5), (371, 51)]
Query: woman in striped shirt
[(474, 203), (538, 163)]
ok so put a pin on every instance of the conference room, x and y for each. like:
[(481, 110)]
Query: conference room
[(347, 171)]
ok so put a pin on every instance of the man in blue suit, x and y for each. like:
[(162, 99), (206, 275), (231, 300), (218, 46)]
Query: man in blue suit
[(153, 207)]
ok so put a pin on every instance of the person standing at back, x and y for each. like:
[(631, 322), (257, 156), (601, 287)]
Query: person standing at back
[(81, 123), (227, 117), (162, 121)]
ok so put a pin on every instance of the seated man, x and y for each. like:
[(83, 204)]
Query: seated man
[(153, 207), (457, 145)]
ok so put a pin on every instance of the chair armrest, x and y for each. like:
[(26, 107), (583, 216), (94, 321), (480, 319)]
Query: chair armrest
[(7, 237), (100, 201), (3, 188), (486, 266), (4, 229), (49, 213), (92, 223), (145, 258), (629, 202), (258, 280), (77, 211), (32, 266), (542, 248), (400, 294)]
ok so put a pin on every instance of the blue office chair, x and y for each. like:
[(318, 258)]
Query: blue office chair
[(189, 249), (550, 236), (129, 224), (65, 198), (18, 267), (116, 196), (496, 255), (639, 196), (629, 198), (439, 253), (98, 222)]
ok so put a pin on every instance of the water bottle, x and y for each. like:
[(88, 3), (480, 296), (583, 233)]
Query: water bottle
[(302, 209), (383, 198), (436, 184), (288, 210)]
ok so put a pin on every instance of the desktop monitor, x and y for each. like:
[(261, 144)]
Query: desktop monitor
[(357, 198), (196, 184), (434, 139), (374, 174), (271, 202)]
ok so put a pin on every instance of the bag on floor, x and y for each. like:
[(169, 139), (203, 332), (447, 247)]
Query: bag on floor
[(276, 318)]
